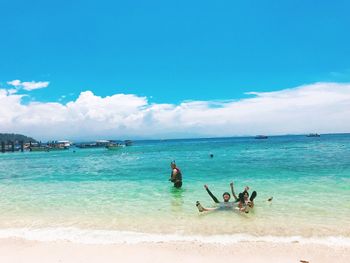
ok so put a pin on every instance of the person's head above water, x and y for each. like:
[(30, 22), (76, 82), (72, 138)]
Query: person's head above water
[(245, 195), (173, 165), (226, 196)]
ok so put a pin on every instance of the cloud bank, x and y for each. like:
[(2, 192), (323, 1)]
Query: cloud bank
[(319, 107), (32, 85)]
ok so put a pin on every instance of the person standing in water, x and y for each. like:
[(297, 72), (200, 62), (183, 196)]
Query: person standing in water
[(176, 175)]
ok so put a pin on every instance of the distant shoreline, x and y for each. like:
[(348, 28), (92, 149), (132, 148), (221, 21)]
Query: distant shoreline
[(213, 138)]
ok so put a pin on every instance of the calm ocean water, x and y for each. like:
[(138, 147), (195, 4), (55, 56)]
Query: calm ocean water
[(71, 194)]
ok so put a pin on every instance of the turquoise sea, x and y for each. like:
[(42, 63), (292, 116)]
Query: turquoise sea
[(100, 195)]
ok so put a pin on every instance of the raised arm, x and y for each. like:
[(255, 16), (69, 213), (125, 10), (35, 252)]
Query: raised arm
[(211, 195), (233, 191)]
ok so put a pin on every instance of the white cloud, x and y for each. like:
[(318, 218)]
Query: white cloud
[(15, 82), (320, 107), (12, 91), (32, 85)]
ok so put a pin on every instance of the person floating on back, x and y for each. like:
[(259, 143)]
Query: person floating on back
[(176, 175), (241, 202), (223, 205)]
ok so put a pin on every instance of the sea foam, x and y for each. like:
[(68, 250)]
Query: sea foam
[(89, 236)]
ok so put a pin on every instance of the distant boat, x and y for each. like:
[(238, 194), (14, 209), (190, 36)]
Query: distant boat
[(97, 144), (64, 143), (313, 135), (114, 146), (47, 148), (128, 142), (43, 148), (88, 145), (261, 137), (58, 145)]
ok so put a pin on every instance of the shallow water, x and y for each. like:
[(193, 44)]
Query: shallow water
[(128, 189)]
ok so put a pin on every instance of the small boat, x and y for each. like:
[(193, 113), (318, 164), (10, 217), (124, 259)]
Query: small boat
[(58, 145), (128, 142), (261, 137), (88, 145), (114, 146), (97, 144), (42, 148), (313, 135), (63, 144)]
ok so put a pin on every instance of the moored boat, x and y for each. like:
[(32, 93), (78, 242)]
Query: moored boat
[(261, 137), (128, 142), (41, 148), (313, 135), (97, 144), (114, 146)]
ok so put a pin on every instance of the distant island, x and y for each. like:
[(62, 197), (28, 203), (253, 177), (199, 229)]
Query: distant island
[(5, 137)]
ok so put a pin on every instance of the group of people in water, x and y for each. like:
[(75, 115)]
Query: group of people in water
[(243, 202)]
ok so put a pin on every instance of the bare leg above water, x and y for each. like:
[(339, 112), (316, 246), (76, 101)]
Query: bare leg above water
[(203, 209)]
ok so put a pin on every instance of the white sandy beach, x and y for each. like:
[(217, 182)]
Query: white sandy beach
[(19, 250)]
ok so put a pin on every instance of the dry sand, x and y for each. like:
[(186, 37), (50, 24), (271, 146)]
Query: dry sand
[(19, 250)]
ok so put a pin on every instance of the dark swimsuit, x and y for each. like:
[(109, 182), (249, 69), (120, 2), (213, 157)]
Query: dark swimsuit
[(178, 178)]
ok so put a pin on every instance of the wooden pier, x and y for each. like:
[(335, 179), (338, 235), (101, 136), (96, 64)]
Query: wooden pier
[(10, 146)]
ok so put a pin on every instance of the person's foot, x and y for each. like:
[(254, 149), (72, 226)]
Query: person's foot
[(199, 206), (252, 197)]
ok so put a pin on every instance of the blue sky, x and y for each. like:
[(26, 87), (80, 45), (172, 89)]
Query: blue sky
[(173, 50), (184, 67)]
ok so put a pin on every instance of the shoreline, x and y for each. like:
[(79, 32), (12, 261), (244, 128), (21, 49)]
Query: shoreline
[(115, 237), (19, 250)]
